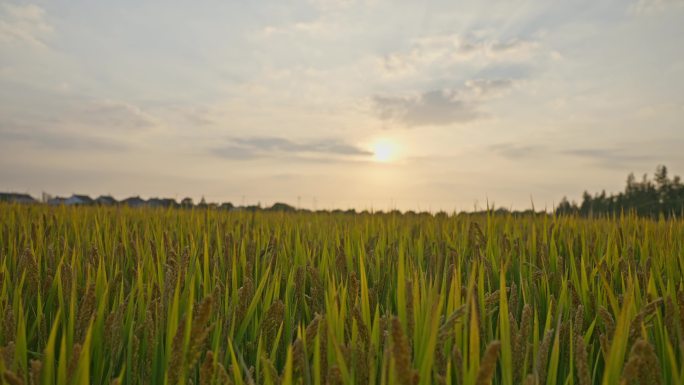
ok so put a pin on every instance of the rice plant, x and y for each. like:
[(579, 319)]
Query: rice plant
[(152, 296)]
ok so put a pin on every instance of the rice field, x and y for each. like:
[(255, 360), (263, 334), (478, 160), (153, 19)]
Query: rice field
[(149, 296)]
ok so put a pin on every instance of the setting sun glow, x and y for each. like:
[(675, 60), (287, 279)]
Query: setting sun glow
[(384, 151)]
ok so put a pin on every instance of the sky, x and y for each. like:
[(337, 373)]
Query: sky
[(413, 105)]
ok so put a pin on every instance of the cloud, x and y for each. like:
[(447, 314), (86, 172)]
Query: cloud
[(327, 5), (610, 157), (489, 88), (111, 114), (64, 141), (24, 24), (75, 124), (264, 147), (616, 157), (68, 113), (447, 51), (317, 28), (512, 49), (649, 6), (516, 151), (441, 107), (432, 108)]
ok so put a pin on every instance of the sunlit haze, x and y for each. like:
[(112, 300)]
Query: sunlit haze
[(340, 103), (384, 151)]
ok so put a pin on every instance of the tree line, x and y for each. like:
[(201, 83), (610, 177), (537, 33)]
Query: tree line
[(660, 196)]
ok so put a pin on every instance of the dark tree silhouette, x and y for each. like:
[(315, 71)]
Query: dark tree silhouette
[(661, 196)]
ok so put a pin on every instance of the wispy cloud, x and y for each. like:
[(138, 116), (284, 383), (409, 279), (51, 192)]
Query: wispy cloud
[(75, 124), (327, 5), (611, 157), (488, 88), (24, 24), (112, 115), (62, 141), (268, 147), (432, 108), (648, 6), (315, 28), (441, 107), (104, 116), (449, 50), (516, 151)]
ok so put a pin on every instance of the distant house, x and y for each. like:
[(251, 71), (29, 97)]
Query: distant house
[(278, 206), (78, 200), (169, 202), (134, 202), (154, 202), (105, 200), (253, 208), (16, 198), (74, 200), (56, 201), (162, 202), (202, 204)]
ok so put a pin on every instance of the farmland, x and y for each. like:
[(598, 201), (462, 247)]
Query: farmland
[(169, 296)]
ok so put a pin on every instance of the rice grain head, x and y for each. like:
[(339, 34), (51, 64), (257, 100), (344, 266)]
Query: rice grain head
[(643, 366), (199, 332), (581, 361), (35, 374), (12, 378), (543, 357), (207, 370), (488, 364), (401, 353)]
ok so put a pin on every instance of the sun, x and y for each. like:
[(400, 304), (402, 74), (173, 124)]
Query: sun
[(384, 151)]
